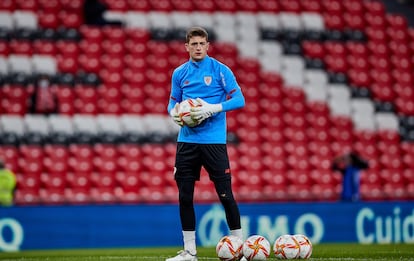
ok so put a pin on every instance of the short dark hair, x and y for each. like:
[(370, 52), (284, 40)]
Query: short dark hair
[(196, 31)]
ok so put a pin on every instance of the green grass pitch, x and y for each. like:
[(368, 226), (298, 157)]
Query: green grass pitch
[(333, 252)]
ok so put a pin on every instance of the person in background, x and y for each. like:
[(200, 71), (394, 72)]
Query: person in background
[(350, 165), (43, 99), (7, 185), (94, 14), (214, 86)]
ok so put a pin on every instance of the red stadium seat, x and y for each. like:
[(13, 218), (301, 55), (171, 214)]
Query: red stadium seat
[(78, 195), (395, 191), (312, 6), (121, 6), (334, 21), (10, 155), (14, 100), (49, 19), (129, 182), (205, 194), (80, 165), (205, 5), (354, 7), (79, 180), (31, 166), (313, 49), (103, 179), (397, 21), (28, 181), (70, 19), (372, 192), (371, 177), (56, 165), (299, 192), (45, 47), (52, 196), (25, 197), (103, 195), (324, 192), (227, 6), (31, 151), (55, 181)]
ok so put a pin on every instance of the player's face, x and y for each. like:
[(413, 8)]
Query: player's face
[(197, 48)]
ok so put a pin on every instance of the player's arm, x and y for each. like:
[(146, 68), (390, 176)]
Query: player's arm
[(175, 99), (235, 98)]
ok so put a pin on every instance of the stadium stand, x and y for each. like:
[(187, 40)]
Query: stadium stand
[(320, 78)]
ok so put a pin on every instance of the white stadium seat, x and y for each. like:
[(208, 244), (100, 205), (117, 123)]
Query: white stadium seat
[(181, 20), (268, 21), (36, 123), (20, 63), (61, 123), (386, 121), (109, 123), (312, 21), (338, 91), (4, 65), (290, 21), (159, 20), (6, 20), (135, 19), (44, 64), (25, 20), (13, 124), (202, 19), (85, 123)]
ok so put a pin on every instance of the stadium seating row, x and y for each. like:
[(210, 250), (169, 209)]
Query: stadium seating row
[(84, 128), (308, 96)]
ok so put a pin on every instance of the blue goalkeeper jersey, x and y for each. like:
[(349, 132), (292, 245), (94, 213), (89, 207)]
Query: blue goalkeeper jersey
[(213, 82)]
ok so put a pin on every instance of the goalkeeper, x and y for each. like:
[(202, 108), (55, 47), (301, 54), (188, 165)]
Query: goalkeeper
[(214, 85)]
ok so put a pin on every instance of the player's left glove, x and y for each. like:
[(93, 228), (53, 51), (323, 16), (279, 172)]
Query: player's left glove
[(176, 116), (205, 111)]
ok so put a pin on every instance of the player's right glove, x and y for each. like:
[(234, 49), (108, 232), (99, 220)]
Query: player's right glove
[(176, 116), (205, 111)]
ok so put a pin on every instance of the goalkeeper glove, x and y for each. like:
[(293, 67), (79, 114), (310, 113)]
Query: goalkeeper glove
[(176, 116), (205, 111)]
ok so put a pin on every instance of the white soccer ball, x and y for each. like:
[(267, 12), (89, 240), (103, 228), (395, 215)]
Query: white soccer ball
[(286, 247), (229, 248), (256, 247), (184, 111), (305, 246)]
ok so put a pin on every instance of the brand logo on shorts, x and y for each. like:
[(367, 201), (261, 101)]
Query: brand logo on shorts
[(207, 80)]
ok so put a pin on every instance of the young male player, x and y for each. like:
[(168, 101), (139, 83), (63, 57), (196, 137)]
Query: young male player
[(214, 85)]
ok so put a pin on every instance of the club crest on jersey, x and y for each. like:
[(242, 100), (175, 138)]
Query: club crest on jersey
[(208, 80)]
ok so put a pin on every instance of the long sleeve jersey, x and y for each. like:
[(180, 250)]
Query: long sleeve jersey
[(213, 82)]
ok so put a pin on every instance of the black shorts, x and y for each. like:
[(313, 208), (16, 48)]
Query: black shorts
[(191, 157)]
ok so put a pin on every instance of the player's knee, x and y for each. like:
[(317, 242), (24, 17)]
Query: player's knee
[(185, 198), (226, 197), (224, 191), (186, 192)]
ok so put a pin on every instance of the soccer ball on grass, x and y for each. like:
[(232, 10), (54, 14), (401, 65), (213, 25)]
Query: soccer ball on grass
[(229, 248), (305, 246), (256, 247), (286, 247)]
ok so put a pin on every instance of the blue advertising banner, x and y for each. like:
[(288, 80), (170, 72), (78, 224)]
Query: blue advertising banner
[(48, 227)]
